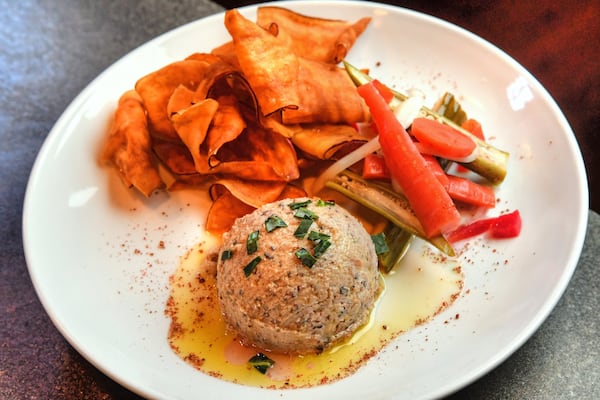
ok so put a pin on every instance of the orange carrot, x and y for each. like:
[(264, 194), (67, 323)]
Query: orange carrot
[(436, 168), (442, 140), (428, 198)]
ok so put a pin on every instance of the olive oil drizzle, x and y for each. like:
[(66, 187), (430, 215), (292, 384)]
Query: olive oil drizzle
[(420, 288)]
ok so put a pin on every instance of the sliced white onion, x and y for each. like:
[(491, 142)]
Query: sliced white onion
[(408, 110), (345, 162), (469, 158), (396, 186)]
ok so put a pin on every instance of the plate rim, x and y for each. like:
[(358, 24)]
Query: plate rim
[(88, 91)]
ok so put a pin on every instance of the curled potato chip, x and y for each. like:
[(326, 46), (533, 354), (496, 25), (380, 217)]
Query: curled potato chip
[(195, 181), (258, 154), (318, 39), (306, 90), (273, 122), (175, 156), (228, 123), (230, 201), (232, 119), (156, 89), (292, 192), (252, 193), (223, 212), (226, 52), (327, 142), (261, 57), (217, 70), (192, 125), (180, 99), (326, 94), (253, 153), (128, 146)]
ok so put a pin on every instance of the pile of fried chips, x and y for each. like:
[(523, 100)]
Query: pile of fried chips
[(239, 119)]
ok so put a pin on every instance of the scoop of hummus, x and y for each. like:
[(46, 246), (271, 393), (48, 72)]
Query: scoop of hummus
[(297, 276)]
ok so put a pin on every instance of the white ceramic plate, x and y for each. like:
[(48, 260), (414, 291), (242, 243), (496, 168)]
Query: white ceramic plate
[(93, 247)]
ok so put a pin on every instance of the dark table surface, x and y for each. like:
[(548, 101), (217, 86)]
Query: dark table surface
[(49, 51)]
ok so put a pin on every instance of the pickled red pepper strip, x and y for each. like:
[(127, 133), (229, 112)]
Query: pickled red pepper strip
[(501, 227), (431, 203), (467, 191)]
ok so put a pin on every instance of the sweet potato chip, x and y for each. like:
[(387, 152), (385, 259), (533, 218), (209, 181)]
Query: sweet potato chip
[(128, 146), (226, 207), (223, 212), (226, 52), (252, 193), (326, 94), (228, 124), (192, 125), (217, 69), (292, 192), (180, 99), (327, 142), (157, 87), (175, 156), (317, 39), (191, 181), (268, 65), (250, 153), (204, 57), (273, 122), (306, 90), (231, 120), (258, 154), (238, 86)]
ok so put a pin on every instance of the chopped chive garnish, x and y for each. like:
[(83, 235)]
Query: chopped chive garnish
[(303, 228), (274, 222), (323, 203), (321, 247), (299, 204), (248, 269), (252, 242), (226, 255), (307, 259), (261, 363), (316, 236), (380, 243), (304, 212)]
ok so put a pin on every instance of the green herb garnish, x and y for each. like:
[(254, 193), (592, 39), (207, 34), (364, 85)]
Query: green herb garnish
[(226, 255), (274, 222), (248, 269), (299, 204), (307, 259), (303, 228), (316, 236), (381, 246), (261, 363), (321, 247), (252, 242), (304, 212)]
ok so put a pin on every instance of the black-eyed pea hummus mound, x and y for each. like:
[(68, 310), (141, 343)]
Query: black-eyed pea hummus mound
[(297, 276)]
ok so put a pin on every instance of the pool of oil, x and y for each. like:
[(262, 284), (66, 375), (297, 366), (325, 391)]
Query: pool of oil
[(420, 287)]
